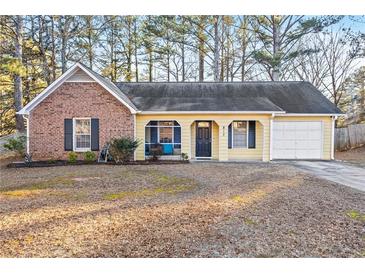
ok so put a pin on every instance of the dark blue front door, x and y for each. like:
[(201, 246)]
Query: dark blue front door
[(203, 139)]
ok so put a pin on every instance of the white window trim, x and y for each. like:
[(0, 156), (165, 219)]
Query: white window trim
[(232, 131), (158, 126), (74, 134)]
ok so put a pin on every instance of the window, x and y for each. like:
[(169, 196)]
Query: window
[(239, 134), (82, 129), (164, 135)]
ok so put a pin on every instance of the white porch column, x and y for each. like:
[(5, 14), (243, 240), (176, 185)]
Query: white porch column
[(186, 136), (267, 138)]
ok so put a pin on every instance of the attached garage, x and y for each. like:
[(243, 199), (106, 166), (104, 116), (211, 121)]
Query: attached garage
[(297, 140)]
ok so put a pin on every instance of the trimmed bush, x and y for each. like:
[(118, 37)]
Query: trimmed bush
[(122, 149), (16, 144), (184, 156), (72, 157), (89, 156), (156, 151)]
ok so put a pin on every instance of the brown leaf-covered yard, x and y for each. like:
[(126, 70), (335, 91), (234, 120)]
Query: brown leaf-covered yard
[(191, 210)]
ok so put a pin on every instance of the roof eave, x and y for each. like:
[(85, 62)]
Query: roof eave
[(210, 112), (311, 114)]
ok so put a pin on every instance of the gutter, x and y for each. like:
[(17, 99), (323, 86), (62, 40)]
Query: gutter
[(334, 118), (271, 135), (210, 112), (310, 114), (26, 117)]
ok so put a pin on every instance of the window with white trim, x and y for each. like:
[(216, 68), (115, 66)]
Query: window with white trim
[(165, 135), (82, 131), (239, 134)]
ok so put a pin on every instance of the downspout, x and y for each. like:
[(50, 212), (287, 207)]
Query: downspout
[(134, 134), (271, 133), (26, 117), (334, 118)]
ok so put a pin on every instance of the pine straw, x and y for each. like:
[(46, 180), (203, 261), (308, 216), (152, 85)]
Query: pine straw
[(197, 210)]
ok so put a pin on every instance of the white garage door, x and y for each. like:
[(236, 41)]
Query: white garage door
[(297, 140)]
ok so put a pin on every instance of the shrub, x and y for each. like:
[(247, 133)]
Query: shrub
[(122, 149), (184, 156), (89, 156), (72, 157), (16, 144), (156, 151)]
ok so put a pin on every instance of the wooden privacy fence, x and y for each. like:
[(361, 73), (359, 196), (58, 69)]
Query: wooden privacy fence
[(350, 137)]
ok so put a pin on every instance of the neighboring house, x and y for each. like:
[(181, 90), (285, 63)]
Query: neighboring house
[(82, 111)]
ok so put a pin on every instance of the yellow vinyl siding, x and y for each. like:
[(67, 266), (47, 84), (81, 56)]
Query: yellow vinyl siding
[(326, 126), (220, 149), (219, 132)]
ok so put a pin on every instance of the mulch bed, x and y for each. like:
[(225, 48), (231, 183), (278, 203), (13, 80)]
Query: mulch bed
[(80, 162)]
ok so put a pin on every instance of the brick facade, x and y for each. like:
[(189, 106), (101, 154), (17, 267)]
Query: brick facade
[(70, 100)]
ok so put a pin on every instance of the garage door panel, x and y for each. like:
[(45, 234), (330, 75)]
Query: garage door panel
[(284, 144), (307, 154), (297, 140), (284, 154), (307, 144)]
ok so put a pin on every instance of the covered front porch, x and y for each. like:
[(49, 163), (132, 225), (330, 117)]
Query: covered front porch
[(204, 137)]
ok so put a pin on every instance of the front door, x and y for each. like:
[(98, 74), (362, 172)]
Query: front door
[(203, 139)]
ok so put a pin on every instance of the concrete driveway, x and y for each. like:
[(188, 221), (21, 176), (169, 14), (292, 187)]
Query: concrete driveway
[(338, 172)]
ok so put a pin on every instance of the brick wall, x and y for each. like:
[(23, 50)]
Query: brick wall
[(75, 100)]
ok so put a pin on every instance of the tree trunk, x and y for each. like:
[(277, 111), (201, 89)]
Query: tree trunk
[(150, 65), (201, 47), (45, 67), (18, 54), (53, 53), (244, 47), (183, 62), (89, 20), (63, 33), (168, 67), (276, 50), (216, 49), (135, 49)]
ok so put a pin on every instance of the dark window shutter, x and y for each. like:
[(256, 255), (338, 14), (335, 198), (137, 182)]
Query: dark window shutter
[(230, 136), (68, 128), (252, 134), (94, 134), (177, 134), (153, 135)]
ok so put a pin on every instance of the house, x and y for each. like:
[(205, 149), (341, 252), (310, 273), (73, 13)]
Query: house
[(82, 111)]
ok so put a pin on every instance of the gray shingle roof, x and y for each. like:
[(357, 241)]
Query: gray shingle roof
[(292, 97)]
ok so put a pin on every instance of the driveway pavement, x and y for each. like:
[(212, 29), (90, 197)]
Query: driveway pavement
[(341, 173)]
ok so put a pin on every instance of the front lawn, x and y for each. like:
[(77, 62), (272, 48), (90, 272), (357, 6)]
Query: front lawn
[(193, 210)]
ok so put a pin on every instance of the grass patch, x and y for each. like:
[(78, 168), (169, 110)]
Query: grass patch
[(355, 215), (21, 193), (25, 190), (76, 196), (237, 198), (165, 185), (249, 221), (147, 192)]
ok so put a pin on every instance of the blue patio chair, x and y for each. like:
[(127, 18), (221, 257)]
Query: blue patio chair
[(168, 149)]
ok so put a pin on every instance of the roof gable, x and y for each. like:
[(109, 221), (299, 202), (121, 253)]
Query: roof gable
[(74, 73)]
